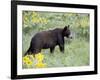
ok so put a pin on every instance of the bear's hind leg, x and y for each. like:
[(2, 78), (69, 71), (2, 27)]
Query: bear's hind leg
[(36, 51)]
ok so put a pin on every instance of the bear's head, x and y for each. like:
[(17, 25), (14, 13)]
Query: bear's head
[(67, 32)]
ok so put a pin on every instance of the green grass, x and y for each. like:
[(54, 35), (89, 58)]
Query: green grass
[(76, 53)]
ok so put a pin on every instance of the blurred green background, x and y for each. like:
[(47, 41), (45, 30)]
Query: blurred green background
[(76, 50)]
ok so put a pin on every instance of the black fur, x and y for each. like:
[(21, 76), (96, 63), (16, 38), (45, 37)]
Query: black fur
[(48, 39)]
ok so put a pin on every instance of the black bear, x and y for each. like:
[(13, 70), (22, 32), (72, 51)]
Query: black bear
[(49, 39)]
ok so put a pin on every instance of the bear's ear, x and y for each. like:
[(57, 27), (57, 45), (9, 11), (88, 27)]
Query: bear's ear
[(65, 28)]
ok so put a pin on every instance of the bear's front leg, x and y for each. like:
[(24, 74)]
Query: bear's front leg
[(61, 46), (52, 49), (61, 42)]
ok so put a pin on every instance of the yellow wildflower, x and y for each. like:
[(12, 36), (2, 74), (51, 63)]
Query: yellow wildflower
[(34, 14), (40, 65), (25, 59), (39, 56), (44, 20), (29, 63), (35, 20), (40, 20)]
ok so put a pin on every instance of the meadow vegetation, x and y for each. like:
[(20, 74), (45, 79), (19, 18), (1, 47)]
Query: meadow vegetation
[(76, 50)]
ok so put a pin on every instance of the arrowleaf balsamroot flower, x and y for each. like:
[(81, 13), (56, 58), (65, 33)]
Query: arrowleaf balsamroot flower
[(29, 63), (27, 60), (38, 61), (39, 57), (40, 65)]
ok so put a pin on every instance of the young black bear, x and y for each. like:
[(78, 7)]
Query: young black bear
[(49, 39)]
